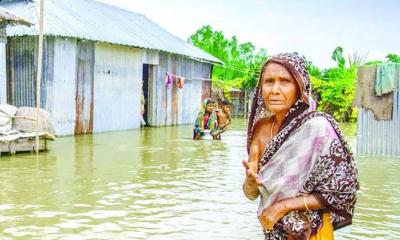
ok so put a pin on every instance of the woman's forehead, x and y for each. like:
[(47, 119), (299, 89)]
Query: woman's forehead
[(276, 70)]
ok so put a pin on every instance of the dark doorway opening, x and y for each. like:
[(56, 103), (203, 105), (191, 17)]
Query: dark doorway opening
[(145, 91)]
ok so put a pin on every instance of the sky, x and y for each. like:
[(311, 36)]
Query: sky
[(314, 28)]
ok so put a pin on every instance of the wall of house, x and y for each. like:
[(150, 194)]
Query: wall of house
[(96, 87), (3, 77), (117, 87), (22, 69), (174, 106), (378, 137), (63, 108)]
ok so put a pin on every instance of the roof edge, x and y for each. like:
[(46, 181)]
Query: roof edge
[(12, 18)]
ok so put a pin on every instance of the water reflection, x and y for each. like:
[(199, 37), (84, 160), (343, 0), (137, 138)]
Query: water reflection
[(157, 183)]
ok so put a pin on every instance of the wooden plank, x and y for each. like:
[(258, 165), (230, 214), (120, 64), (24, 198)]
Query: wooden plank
[(12, 148), (24, 146)]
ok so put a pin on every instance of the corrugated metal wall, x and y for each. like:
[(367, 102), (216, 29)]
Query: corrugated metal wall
[(64, 86), (205, 90), (379, 138), (194, 90), (90, 87), (150, 56), (117, 87), (3, 77), (3, 36), (84, 87), (22, 68), (175, 106)]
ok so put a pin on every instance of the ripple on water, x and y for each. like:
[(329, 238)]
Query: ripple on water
[(163, 186), (104, 214)]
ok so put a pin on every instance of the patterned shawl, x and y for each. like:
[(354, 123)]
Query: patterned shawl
[(308, 155)]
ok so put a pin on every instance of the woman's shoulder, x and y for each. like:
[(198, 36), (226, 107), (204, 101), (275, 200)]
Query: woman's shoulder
[(317, 121), (320, 121), (261, 128), (261, 124)]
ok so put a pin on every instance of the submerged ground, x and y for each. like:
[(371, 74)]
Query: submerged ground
[(157, 183)]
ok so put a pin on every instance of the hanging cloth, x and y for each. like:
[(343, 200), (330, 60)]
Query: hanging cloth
[(386, 78), (181, 82), (169, 79)]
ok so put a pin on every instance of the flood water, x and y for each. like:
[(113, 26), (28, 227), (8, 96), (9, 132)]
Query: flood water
[(157, 183)]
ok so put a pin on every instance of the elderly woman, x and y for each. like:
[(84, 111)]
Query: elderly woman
[(299, 163)]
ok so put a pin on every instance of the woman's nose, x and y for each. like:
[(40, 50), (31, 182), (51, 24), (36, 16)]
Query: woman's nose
[(275, 88)]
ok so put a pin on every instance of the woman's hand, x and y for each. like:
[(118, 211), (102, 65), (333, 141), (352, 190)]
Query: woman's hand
[(250, 186), (271, 215), (251, 168)]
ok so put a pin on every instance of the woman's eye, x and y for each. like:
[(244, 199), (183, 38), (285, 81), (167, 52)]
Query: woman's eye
[(268, 81)]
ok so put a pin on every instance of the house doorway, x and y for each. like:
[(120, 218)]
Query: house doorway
[(147, 77)]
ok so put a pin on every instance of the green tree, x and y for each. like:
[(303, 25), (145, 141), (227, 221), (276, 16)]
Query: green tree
[(242, 64), (393, 58), (335, 87)]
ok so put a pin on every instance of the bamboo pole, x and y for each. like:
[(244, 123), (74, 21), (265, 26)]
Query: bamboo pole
[(39, 72)]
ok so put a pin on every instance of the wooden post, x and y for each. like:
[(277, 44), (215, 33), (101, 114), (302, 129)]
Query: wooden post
[(245, 104), (39, 72)]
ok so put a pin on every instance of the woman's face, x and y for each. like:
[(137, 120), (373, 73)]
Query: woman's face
[(279, 88), (209, 107)]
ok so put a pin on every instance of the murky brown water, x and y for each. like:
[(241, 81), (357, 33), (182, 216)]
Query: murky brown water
[(159, 184)]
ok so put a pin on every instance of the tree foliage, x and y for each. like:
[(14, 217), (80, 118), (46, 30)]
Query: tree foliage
[(242, 63), (334, 88), (393, 58)]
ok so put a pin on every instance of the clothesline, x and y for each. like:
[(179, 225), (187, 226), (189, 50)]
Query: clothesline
[(226, 66), (195, 78), (240, 70)]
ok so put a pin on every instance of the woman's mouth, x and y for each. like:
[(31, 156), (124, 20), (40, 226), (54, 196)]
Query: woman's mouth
[(274, 101)]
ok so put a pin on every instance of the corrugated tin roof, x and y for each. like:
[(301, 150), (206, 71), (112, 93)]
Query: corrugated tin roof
[(93, 20), (11, 18)]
